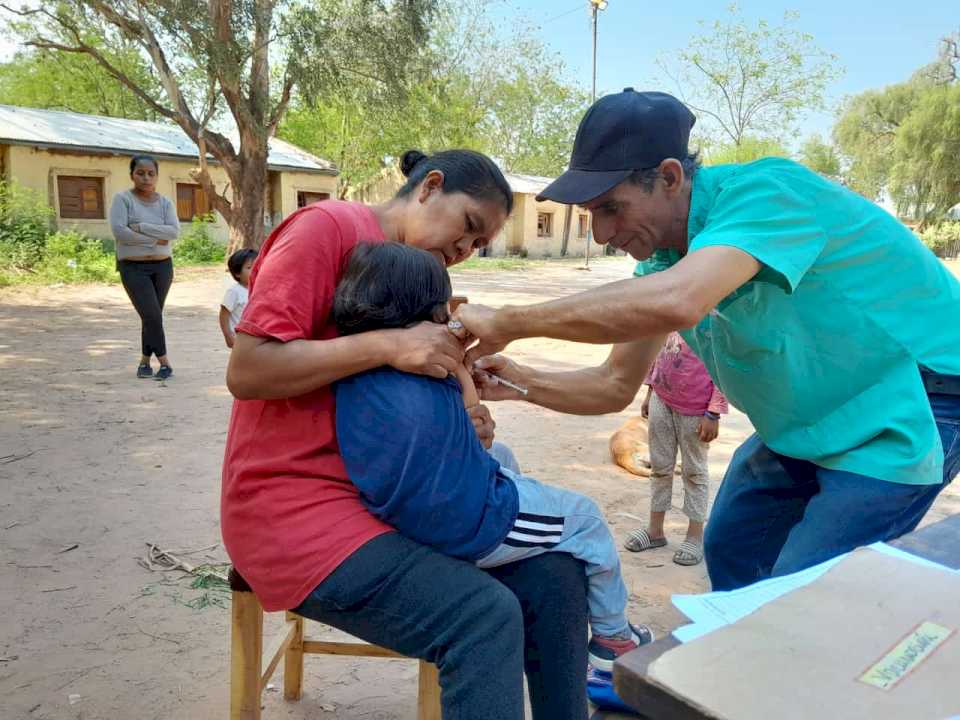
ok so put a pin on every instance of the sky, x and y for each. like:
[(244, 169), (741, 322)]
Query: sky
[(878, 42)]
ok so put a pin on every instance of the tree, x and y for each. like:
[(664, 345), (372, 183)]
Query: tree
[(749, 149), (751, 81), (905, 139), (61, 81), (925, 176), (820, 156), (247, 56), (472, 87)]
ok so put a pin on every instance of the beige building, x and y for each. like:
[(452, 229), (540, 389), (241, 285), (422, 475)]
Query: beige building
[(534, 229), (79, 162)]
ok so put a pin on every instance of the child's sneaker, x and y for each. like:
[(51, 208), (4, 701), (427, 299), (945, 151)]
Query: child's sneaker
[(163, 373), (602, 651), (144, 370)]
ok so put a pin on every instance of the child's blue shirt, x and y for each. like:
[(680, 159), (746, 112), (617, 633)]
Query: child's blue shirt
[(411, 450)]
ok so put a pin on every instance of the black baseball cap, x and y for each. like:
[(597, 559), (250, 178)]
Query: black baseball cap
[(621, 133)]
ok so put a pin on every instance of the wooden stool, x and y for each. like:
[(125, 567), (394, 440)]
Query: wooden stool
[(248, 678)]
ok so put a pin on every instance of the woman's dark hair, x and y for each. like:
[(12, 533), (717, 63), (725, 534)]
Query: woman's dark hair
[(389, 285), (465, 171), (235, 262), (143, 158)]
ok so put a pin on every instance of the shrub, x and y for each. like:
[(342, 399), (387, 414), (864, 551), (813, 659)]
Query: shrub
[(71, 256), (196, 245), (24, 225), (943, 238)]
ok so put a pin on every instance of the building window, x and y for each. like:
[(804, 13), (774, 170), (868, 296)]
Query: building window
[(81, 198), (583, 224), (305, 198), (192, 200), (544, 224)]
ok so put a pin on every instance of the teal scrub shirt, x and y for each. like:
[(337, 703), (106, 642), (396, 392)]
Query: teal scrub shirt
[(822, 349)]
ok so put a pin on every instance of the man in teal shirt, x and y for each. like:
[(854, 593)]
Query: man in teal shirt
[(817, 313)]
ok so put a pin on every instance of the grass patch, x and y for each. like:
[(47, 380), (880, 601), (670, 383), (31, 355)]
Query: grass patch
[(493, 264)]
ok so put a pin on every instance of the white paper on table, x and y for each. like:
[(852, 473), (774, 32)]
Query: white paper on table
[(710, 611)]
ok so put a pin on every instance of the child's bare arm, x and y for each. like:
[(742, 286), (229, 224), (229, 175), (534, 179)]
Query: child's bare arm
[(470, 395), (228, 335)]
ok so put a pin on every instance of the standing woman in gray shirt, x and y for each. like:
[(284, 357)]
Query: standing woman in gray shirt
[(145, 225)]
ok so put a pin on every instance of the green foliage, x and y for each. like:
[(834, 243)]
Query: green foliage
[(196, 246), (865, 133), (905, 139), (943, 238), (925, 176), (470, 87), (24, 224), (72, 256), (820, 157), (76, 82), (749, 149), (751, 80)]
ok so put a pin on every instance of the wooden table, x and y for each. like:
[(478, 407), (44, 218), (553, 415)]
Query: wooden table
[(939, 542)]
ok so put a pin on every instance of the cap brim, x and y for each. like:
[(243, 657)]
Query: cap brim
[(576, 187)]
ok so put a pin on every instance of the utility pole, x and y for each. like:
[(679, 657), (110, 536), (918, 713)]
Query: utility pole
[(595, 7)]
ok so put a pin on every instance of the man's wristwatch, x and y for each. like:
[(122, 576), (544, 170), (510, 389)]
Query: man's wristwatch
[(711, 415)]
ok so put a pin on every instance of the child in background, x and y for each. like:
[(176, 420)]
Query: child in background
[(235, 298), (684, 407), (411, 450)]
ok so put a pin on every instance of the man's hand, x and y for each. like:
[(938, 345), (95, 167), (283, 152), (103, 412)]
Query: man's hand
[(483, 423), (480, 323), (486, 371), (426, 349), (709, 429)]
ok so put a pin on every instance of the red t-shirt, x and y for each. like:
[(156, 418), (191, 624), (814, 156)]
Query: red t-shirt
[(288, 513)]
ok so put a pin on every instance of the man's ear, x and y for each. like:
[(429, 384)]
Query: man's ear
[(671, 170)]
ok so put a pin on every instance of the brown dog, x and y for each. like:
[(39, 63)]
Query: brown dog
[(629, 448)]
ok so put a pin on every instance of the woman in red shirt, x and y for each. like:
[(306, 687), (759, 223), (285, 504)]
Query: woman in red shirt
[(293, 523)]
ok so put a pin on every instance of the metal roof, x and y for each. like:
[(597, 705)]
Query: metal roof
[(55, 129), (527, 184)]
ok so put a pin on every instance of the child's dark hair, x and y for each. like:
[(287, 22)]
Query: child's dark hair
[(235, 262), (389, 285), (465, 171), (136, 159)]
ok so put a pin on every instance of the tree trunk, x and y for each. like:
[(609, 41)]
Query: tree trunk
[(249, 189)]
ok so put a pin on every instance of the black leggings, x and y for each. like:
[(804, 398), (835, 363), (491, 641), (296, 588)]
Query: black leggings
[(147, 285)]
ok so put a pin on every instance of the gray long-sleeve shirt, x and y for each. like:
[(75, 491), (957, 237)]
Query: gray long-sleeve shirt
[(156, 220)]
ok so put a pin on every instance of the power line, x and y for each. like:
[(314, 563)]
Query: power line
[(563, 15)]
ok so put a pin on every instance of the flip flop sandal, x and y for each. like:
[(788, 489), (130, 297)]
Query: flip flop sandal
[(688, 553), (640, 540)]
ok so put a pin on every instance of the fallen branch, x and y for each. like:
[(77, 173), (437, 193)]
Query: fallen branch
[(7, 459), (68, 587), (157, 637)]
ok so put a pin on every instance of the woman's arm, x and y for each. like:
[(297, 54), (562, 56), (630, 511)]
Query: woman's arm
[(170, 228), (228, 335), (265, 369), (119, 224)]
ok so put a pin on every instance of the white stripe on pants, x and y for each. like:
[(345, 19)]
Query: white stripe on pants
[(668, 431)]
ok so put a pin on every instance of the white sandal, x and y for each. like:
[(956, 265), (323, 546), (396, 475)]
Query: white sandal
[(688, 553), (640, 540)]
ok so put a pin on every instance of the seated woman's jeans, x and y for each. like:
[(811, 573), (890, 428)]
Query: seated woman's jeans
[(482, 629), (775, 515)]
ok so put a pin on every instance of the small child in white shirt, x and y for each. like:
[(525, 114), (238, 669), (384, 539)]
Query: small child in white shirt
[(235, 299)]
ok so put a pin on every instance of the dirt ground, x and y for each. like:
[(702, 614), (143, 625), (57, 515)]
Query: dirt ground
[(94, 464)]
